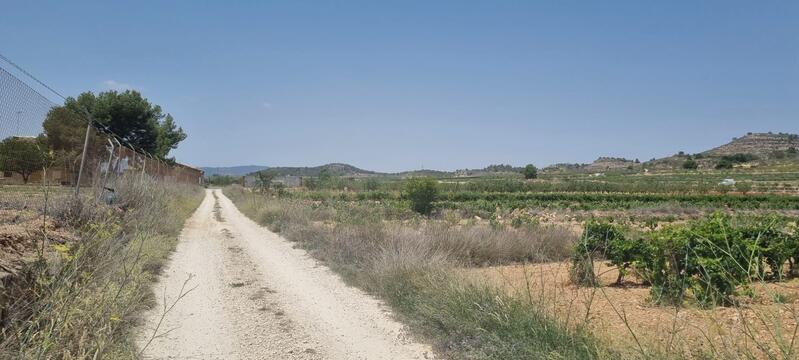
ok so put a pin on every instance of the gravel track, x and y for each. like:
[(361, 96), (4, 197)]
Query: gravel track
[(248, 294)]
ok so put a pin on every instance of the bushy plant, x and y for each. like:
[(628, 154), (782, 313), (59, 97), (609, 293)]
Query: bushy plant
[(421, 192), (724, 164), (772, 246), (709, 258), (371, 184), (624, 252), (743, 187), (665, 266), (593, 243), (604, 239), (530, 171), (719, 259)]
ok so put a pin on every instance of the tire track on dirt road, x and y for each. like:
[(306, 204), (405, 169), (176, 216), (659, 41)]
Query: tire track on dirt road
[(253, 296)]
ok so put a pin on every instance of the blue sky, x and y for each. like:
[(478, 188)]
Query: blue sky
[(444, 84)]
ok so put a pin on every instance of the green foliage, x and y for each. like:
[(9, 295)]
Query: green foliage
[(23, 155), (169, 136), (371, 184), (665, 267), (65, 129), (624, 252), (690, 164), (718, 259), (592, 243), (530, 172), (263, 181), (724, 164), (708, 258), (310, 183), (325, 176), (221, 180), (422, 192), (127, 114), (500, 168), (728, 161), (743, 187), (771, 244), (603, 239)]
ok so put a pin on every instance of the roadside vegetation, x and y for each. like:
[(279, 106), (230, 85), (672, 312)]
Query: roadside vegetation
[(82, 294), (77, 268)]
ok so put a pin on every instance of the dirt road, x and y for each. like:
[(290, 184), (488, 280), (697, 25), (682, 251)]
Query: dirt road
[(248, 294)]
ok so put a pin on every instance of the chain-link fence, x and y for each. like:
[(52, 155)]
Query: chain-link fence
[(47, 148), (57, 164)]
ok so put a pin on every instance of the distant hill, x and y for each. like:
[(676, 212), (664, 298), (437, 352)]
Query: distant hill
[(232, 170), (762, 148), (601, 164), (335, 169), (761, 144), (431, 173), (609, 163)]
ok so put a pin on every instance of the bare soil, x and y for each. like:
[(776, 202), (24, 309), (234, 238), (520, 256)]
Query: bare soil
[(624, 315), (23, 235)]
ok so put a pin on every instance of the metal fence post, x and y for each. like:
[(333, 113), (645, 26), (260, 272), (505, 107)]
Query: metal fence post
[(83, 157), (107, 170)]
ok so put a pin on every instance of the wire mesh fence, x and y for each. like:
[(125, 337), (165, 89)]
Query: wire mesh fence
[(47, 148), (67, 182)]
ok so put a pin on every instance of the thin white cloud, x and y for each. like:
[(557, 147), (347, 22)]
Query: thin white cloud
[(118, 86), (266, 105)]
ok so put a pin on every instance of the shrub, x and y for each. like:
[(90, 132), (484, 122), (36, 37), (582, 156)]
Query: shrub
[(624, 252), (371, 184), (23, 156), (690, 164), (719, 259), (709, 258), (530, 171), (609, 241), (665, 267), (724, 164), (421, 192), (773, 246), (592, 243), (743, 187), (727, 161)]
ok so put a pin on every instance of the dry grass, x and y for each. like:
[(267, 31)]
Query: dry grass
[(762, 326), (482, 291), (83, 302), (412, 264)]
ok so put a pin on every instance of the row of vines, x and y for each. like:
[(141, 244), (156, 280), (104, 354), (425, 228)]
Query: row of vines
[(707, 260)]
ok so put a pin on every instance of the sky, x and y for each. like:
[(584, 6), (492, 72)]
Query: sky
[(401, 85)]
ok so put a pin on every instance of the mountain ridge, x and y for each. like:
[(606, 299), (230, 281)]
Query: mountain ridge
[(763, 145)]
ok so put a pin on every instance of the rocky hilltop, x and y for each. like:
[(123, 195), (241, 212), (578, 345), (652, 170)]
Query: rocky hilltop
[(757, 144), (608, 163)]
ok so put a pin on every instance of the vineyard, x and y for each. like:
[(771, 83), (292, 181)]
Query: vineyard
[(640, 256)]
